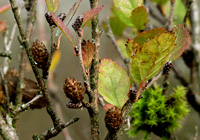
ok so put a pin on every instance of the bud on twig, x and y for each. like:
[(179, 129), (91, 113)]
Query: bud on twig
[(167, 67), (77, 24), (49, 18), (72, 105)]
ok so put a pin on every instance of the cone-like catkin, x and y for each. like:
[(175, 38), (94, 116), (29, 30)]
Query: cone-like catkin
[(74, 90), (40, 54), (113, 119)]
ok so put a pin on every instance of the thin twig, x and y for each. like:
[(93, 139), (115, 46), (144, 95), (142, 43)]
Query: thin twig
[(55, 130), (196, 136), (156, 14), (94, 71), (30, 23), (8, 44), (5, 85), (41, 82), (188, 8), (23, 107), (154, 80), (112, 37), (171, 15), (7, 131), (3, 54)]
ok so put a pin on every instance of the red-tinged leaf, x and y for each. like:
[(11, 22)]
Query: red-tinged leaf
[(59, 39), (149, 34), (52, 5), (149, 60), (64, 29), (70, 15), (72, 11), (2, 26), (87, 52), (182, 38), (91, 14), (4, 8), (139, 17), (108, 106)]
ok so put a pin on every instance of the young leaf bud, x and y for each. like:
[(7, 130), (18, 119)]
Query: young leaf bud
[(49, 19), (77, 24), (72, 105), (62, 16)]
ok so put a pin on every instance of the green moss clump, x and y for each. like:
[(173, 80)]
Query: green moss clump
[(158, 114)]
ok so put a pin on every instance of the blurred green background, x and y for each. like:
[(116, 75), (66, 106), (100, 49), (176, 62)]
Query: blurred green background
[(37, 121)]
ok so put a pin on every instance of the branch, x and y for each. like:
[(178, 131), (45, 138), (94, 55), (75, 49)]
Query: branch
[(55, 130), (112, 37), (5, 86), (7, 131), (171, 15), (4, 54), (188, 8), (42, 82), (94, 71), (23, 107), (30, 23), (8, 47)]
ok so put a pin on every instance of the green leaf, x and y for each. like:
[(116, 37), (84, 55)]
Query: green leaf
[(182, 38), (124, 8), (160, 2), (114, 83), (132, 47), (149, 34), (52, 5), (117, 26), (149, 60), (70, 15), (122, 47), (179, 11), (64, 29), (139, 17), (90, 14), (55, 61)]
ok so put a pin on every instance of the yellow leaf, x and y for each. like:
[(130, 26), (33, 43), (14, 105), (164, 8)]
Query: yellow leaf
[(55, 61)]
